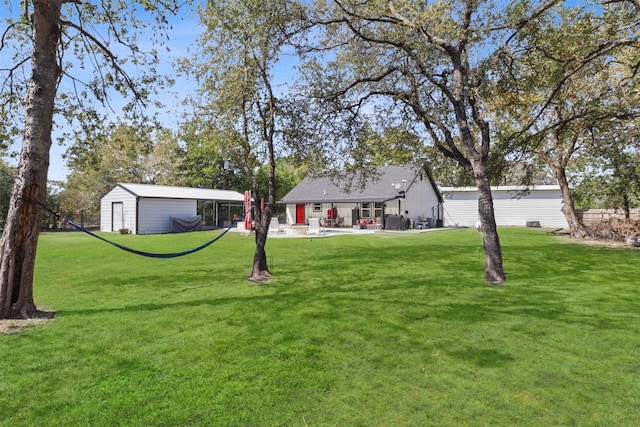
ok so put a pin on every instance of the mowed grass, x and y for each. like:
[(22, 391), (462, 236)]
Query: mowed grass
[(369, 330)]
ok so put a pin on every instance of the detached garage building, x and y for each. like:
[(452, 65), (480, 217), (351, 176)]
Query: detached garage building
[(152, 209), (513, 205)]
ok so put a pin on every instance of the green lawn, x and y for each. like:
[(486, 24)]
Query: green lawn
[(369, 330)]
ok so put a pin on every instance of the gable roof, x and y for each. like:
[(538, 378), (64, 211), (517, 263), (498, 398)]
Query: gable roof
[(170, 192), (377, 189)]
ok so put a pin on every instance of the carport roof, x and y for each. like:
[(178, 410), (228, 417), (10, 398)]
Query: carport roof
[(170, 192)]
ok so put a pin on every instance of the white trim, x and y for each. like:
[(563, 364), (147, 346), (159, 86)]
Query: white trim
[(518, 188)]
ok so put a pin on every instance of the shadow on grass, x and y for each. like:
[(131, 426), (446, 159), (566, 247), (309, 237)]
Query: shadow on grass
[(548, 311), (134, 308), (327, 299), (483, 358), (181, 280)]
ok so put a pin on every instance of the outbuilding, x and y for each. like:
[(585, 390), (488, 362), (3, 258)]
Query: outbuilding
[(152, 209), (394, 197), (539, 206)]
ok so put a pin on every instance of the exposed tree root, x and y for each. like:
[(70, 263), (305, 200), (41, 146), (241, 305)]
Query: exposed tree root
[(260, 278), (10, 326)]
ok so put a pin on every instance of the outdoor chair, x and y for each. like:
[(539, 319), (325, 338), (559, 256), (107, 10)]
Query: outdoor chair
[(422, 223), (275, 227), (314, 226)]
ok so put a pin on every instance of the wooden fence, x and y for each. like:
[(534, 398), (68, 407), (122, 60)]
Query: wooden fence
[(590, 216)]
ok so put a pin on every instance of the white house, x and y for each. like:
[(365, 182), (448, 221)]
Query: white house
[(391, 192), (150, 209), (513, 205)]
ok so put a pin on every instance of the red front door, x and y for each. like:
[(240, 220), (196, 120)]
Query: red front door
[(300, 214)]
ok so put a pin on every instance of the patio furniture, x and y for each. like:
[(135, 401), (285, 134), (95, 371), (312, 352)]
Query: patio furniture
[(275, 227), (422, 223), (314, 226)]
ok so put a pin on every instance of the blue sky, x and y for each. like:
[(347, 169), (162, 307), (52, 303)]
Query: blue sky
[(184, 32)]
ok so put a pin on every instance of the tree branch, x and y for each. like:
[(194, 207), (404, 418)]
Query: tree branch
[(112, 58), (601, 50), (357, 82), (4, 34), (526, 20), (635, 3), (437, 41)]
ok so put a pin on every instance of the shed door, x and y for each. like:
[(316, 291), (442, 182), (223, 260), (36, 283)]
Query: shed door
[(300, 214), (117, 216)]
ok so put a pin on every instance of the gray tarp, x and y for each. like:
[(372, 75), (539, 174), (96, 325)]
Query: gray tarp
[(182, 225), (395, 222)]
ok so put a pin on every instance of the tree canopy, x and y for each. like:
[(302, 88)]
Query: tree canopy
[(563, 78), (238, 105)]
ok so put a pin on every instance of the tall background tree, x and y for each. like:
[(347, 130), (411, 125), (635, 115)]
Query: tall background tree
[(205, 160), (91, 33), (610, 178), (424, 63), (239, 105), (118, 153), (565, 78)]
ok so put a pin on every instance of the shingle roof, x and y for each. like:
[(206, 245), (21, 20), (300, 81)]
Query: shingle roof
[(377, 189), (169, 192)]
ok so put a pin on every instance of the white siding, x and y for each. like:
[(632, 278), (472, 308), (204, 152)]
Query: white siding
[(128, 201), (460, 209), (544, 206), (421, 200), (154, 215), (144, 211)]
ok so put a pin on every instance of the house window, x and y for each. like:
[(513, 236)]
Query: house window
[(317, 207), (365, 210), (371, 210), (377, 210)]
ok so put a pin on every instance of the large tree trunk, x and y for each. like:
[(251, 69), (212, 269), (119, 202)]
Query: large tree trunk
[(20, 236), (475, 164), (260, 270), (493, 270), (576, 227)]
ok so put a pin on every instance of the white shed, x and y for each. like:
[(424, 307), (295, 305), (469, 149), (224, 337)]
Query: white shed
[(149, 209), (513, 205)]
